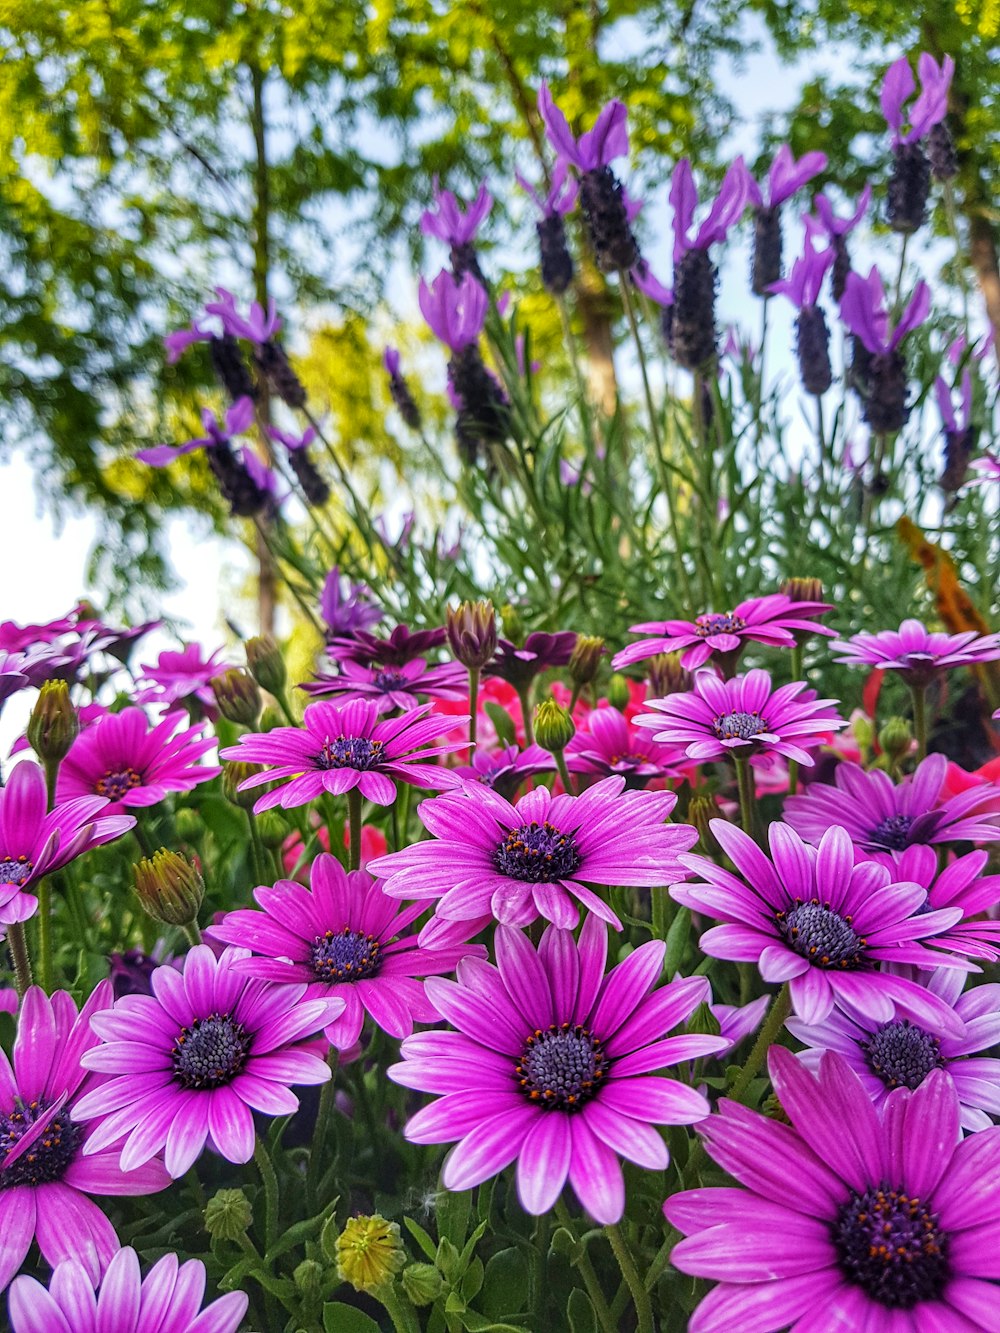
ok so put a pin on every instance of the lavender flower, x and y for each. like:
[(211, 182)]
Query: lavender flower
[(244, 494), (257, 326), (457, 227), (785, 177), (865, 312), (837, 230), (556, 260), (909, 184), (812, 337), (960, 435), (314, 487), (399, 390)]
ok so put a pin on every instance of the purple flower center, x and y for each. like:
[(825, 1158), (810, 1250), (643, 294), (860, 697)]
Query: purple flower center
[(893, 833), (211, 1052), (902, 1055), (739, 726), (15, 869), (115, 785), (889, 1244), (390, 680), (561, 1067), (48, 1157), (537, 853), (345, 955), (822, 935), (705, 626), (350, 752), (628, 760)]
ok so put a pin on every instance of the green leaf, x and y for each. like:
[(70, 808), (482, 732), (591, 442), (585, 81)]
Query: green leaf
[(340, 1318), (504, 1284), (502, 721), (476, 1323), (421, 1237), (580, 1312), (453, 1215), (677, 942), (472, 1280)]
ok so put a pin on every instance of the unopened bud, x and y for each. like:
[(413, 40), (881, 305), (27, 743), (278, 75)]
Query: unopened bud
[(863, 730), (667, 676), (554, 727), (233, 773), (701, 811), (54, 724), (513, 624), (369, 1252), (266, 664), (802, 590), (273, 829), (618, 693), (896, 738), (308, 1277), (422, 1283), (585, 660), (228, 1215), (703, 1022), (189, 824), (472, 633), (271, 718), (169, 887), (237, 696)]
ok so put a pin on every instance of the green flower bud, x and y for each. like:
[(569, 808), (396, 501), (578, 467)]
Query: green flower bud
[(228, 1215), (863, 729), (54, 724), (472, 633), (273, 829), (513, 625), (896, 738), (586, 659), (618, 692), (271, 718), (308, 1277), (422, 1283), (189, 824), (703, 1023), (554, 727), (266, 664), (237, 696), (235, 771), (169, 887), (701, 810), (369, 1252), (802, 590), (667, 676)]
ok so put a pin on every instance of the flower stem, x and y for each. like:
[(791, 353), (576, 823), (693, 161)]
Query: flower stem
[(744, 779), (354, 820), (524, 695), (567, 781), (144, 841), (797, 674), (192, 933), (919, 693), (18, 944), (590, 1280), (473, 707), (45, 935), (780, 1008), (640, 1296), (327, 1098), (270, 1182), (401, 1312)]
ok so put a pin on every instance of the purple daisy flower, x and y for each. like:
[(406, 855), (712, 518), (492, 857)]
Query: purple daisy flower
[(48, 1168), (402, 646), (34, 841), (774, 620), (902, 1052), (189, 1064), (179, 676), (391, 687), (609, 744), (883, 816), (343, 938), (848, 1219), (540, 652), (342, 747), (168, 1300), (519, 862), (122, 758), (815, 919), (549, 1066), (961, 884), (504, 770), (742, 717), (12, 674), (917, 654)]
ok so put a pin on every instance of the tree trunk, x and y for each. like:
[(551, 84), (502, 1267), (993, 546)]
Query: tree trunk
[(267, 574), (986, 262)]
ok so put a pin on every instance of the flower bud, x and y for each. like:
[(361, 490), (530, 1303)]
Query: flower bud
[(618, 693), (271, 718), (863, 730), (701, 810), (308, 1277), (422, 1283), (896, 738), (169, 887), (513, 624), (585, 660), (272, 827), (667, 676), (266, 664), (554, 727), (237, 696), (368, 1252), (189, 824), (228, 1215), (54, 724), (909, 186), (472, 633), (802, 590), (941, 152), (703, 1022), (233, 773)]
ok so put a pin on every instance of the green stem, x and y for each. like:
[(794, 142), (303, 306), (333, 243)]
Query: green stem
[(258, 851), (524, 694), (919, 693), (327, 1099), (780, 1008), (473, 708), (270, 1182), (640, 1296), (45, 935), (797, 674), (281, 699), (192, 933), (401, 1312), (143, 839), (18, 944), (744, 779), (590, 1280), (354, 821), (567, 781)]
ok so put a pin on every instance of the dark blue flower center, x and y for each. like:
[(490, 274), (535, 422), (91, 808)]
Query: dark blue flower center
[(728, 624), (350, 752), (116, 784), (902, 1055), (537, 853), (390, 680), (890, 1245), (211, 1052), (15, 869), (817, 932), (561, 1067), (48, 1157), (738, 726), (345, 955), (893, 833)]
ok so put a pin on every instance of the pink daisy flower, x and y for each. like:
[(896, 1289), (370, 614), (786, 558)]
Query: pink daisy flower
[(343, 937), (609, 744), (883, 816), (189, 1064), (131, 763), (846, 1219), (505, 769), (815, 919), (916, 653), (393, 686), (743, 716), (167, 1300), (48, 1168), (177, 676), (960, 884), (518, 862), (550, 1065), (902, 1052), (774, 620), (34, 841), (340, 747)]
